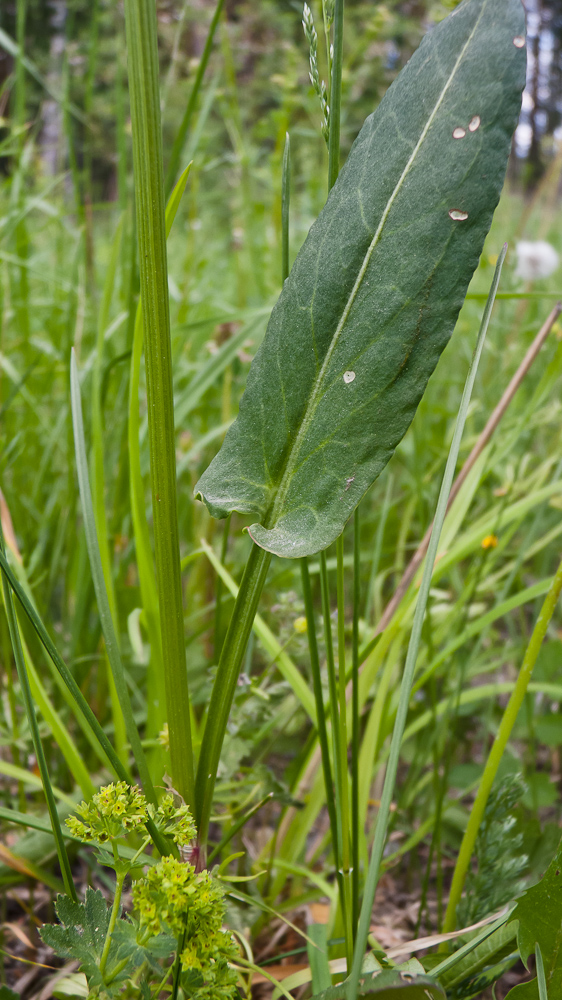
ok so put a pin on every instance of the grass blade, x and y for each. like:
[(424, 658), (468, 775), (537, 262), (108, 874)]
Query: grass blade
[(285, 205), (496, 753), (228, 670), (106, 619), (477, 450), (81, 704), (415, 639), (32, 720), (541, 978), (98, 473), (285, 665), (179, 141)]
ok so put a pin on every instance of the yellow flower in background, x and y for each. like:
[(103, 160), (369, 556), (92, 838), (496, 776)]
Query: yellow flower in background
[(299, 625), (490, 542)]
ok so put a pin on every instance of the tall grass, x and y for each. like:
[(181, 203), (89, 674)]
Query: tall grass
[(314, 697)]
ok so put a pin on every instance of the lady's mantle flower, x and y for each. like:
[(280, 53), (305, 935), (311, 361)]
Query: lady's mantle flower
[(174, 821), (173, 898), (535, 260), (114, 811)]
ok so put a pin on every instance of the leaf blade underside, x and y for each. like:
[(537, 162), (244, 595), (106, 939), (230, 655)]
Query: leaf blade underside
[(376, 289)]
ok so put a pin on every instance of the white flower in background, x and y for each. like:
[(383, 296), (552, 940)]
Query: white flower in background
[(535, 259)]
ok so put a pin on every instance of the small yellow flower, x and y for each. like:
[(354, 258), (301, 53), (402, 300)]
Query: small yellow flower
[(490, 542), (299, 625)]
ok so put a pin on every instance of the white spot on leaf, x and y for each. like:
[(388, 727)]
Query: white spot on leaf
[(519, 41), (459, 132), (457, 215), (348, 377), (474, 124)]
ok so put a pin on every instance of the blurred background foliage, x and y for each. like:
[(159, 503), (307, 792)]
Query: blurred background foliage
[(65, 184)]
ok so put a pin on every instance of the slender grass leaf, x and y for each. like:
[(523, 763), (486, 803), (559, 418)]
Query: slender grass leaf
[(381, 825), (97, 471), (111, 644), (13, 628), (82, 708), (213, 369), (541, 979), (376, 289), (8, 44), (318, 958)]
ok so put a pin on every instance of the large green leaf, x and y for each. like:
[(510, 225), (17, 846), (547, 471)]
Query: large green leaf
[(539, 912), (376, 289)]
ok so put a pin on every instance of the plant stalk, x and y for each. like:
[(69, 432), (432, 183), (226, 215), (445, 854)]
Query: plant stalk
[(320, 708), (142, 42), (222, 695), (119, 883)]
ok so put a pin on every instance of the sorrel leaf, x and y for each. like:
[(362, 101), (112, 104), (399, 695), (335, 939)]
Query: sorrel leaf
[(376, 289), (539, 912)]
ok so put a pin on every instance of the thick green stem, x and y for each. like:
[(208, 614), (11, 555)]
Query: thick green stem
[(224, 686), (142, 44), (499, 745)]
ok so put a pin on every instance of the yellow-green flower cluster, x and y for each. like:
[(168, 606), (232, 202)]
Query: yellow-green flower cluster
[(118, 809), (114, 811), (174, 821), (173, 898)]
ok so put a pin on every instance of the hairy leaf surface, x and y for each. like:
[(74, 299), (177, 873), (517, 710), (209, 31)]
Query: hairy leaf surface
[(376, 289)]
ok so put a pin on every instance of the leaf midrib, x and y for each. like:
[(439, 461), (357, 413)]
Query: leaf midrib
[(315, 396)]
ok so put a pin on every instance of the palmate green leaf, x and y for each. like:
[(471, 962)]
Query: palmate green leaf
[(81, 932), (388, 985), (376, 289), (81, 936), (539, 912)]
